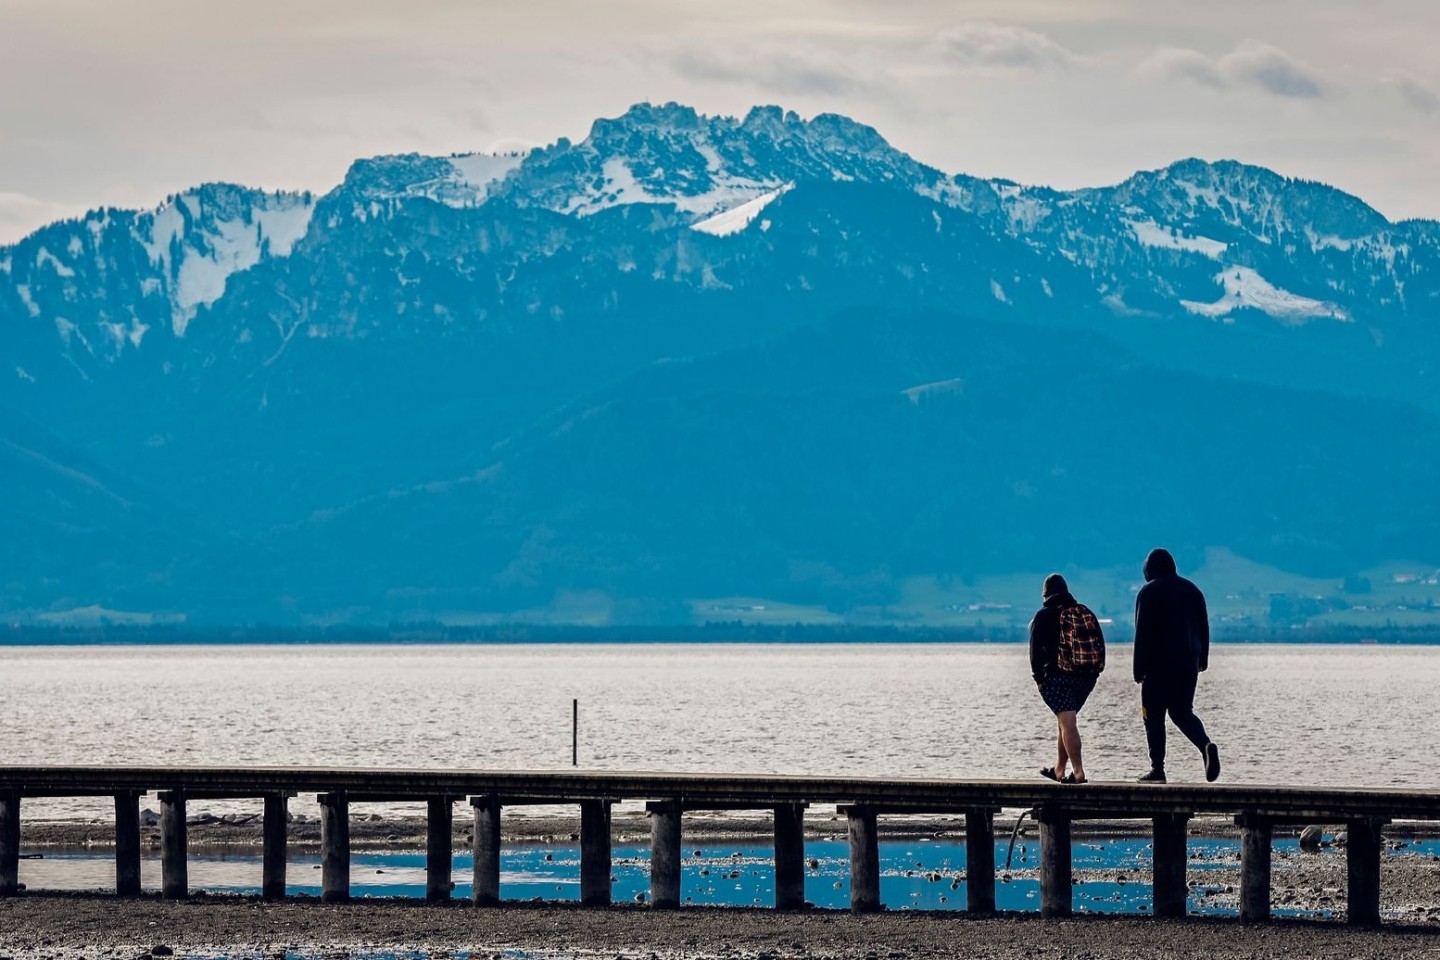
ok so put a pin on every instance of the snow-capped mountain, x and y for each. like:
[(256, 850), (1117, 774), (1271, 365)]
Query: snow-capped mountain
[(523, 348)]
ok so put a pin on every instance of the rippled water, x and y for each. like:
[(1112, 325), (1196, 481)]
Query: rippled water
[(914, 874), (1282, 714)]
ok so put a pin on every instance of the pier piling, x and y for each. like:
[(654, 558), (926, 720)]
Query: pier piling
[(790, 856), (1257, 810), (439, 848), (980, 862), (1168, 888), (127, 844), (273, 854), (595, 853), (485, 884), (1056, 895), (174, 846), (334, 847), (1362, 855), (864, 860), (9, 843), (1256, 836), (665, 853)]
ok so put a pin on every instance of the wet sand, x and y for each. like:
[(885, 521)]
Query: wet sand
[(36, 927), (51, 925)]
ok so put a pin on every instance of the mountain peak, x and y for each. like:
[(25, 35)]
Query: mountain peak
[(1253, 198), (701, 165), (671, 115)]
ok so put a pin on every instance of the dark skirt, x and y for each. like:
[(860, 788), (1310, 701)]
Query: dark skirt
[(1063, 691)]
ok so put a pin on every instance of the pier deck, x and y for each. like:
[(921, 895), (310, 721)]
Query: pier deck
[(1256, 809)]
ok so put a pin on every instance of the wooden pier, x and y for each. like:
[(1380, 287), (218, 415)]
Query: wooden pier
[(1169, 807)]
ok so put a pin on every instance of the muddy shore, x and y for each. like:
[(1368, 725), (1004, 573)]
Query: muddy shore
[(38, 927)]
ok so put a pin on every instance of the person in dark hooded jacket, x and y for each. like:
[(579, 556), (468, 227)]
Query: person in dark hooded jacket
[(1063, 682), (1172, 649)]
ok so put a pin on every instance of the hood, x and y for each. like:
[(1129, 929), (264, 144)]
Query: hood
[(1054, 585), (1159, 564)]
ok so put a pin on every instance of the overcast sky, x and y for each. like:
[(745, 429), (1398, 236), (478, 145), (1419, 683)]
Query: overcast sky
[(121, 102)]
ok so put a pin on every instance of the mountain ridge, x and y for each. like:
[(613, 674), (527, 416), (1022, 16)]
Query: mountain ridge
[(284, 375)]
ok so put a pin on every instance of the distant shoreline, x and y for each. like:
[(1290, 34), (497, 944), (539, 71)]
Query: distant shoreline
[(799, 634)]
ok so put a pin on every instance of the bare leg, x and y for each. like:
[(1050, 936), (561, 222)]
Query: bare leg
[(1060, 747), (1070, 742)]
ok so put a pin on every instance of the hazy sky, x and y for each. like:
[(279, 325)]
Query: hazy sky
[(123, 101)]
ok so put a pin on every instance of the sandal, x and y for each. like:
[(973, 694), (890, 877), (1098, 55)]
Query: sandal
[(1070, 778), (1049, 774)]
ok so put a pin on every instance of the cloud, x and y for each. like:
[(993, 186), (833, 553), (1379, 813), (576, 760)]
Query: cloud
[(995, 45), (787, 70), (1173, 63), (1251, 65), (1271, 69), (1416, 95)]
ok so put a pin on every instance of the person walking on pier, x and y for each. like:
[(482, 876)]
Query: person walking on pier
[(1067, 654), (1172, 649)]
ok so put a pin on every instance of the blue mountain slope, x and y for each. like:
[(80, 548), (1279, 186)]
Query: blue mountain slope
[(850, 454), (672, 360)]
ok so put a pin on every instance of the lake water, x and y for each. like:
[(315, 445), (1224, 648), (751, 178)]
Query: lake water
[(1333, 715), (915, 874)]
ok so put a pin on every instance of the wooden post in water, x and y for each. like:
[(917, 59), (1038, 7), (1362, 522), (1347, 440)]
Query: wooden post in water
[(273, 855), (595, 853), (665, 853), (790, 856), (980, 862), (334, 847), (1056, 897), (864, 860), (127, 844), (439, 848), (485, 885), (1168, 889), (174, 851), (9, 843), (1256, 835), (1362, 855)]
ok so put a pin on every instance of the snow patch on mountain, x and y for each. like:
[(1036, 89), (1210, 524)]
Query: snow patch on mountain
[(199, 245), (284, 226), (482, 170), (618, 186), (131, 333), (44, 256), (1026, 212), (468, 182), (916, 394), (1327, 242), (1245, 288), (738, 218), (1152, 234), (23, 290)]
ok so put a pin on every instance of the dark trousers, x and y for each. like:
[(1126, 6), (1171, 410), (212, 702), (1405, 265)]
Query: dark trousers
[(1175, 695)]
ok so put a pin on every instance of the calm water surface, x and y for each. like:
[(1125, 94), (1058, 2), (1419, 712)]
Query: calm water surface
[(1282, 714)]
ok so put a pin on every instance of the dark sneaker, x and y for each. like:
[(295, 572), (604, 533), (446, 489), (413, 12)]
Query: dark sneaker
[(1212, 762), (1154, 776)]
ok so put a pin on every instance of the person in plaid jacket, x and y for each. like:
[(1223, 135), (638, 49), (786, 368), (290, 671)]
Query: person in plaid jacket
[(1067, 653)]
